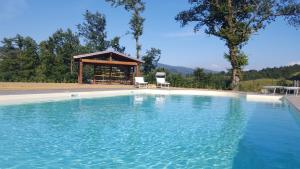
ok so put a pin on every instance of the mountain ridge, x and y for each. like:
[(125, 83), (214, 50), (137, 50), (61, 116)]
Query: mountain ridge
[(181, 69)]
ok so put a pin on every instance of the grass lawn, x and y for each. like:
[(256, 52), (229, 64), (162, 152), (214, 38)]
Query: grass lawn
[(256, 85)]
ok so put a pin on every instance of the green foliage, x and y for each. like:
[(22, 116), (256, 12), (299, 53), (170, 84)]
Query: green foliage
[(27, 59), (136, 24), (115, 44), (235, 22), (283, 76), (150, 76), (284, 72), (295, 76), (207, 80), (129, 5), (241, 60), (199, 74), (151, 59), (257, 85)]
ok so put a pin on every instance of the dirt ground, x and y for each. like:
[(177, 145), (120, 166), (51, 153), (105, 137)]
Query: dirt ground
[(47, 86)]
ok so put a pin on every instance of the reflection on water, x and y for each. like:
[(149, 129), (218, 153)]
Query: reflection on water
[(233, 128), (138, 99), (200, 102), (160, 100)]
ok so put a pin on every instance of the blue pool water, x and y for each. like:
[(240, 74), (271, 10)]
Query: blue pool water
[(150, 132)]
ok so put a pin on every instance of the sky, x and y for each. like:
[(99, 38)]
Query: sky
[(277, 45)]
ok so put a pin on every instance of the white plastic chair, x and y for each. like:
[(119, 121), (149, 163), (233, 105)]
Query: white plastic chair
[(140, 82), (161, 82)]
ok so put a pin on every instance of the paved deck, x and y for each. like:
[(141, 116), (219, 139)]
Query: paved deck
[(295, 101)]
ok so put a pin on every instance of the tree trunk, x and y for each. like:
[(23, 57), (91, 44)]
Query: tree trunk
[(137, 48), (235, 72), (71, 66), (233, 49)]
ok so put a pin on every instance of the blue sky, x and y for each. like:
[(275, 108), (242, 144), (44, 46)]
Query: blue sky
[(278, 45)]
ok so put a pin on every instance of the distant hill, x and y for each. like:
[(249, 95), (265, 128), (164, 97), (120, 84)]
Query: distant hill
[(180, 69), (286, 72)]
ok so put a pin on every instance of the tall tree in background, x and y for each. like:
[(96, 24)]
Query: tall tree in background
[(28, 58), (235, 21), (199, 74), (9, 60), (93, 31), (44, 70), (136, 7), (151, 59)]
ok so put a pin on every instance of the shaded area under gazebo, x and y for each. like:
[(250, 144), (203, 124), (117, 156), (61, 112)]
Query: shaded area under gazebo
[(109, 67)]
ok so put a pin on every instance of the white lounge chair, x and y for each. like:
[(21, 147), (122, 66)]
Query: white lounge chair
[(294, 89), (161, 82), (267, 89), (140, 82)]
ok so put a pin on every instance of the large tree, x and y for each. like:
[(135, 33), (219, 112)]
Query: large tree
[(234, 21), (136, 7)]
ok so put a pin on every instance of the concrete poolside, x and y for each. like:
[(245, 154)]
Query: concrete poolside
[(294, 100)]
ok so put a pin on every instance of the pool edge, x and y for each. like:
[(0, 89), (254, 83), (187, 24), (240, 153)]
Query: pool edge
[(60, 96)]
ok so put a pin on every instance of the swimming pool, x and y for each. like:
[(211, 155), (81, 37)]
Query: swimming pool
[(150, 131)]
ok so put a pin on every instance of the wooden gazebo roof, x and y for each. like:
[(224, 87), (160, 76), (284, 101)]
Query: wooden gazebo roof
[(113, 58)]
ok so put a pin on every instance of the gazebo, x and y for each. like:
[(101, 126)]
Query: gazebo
[(109, 66)]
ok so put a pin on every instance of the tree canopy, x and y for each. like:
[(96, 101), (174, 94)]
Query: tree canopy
[(115, 44)]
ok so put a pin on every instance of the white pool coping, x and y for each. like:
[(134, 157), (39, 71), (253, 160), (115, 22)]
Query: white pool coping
[(50, 97), (264, 98)]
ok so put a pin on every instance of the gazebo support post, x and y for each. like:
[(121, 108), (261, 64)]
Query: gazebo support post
[(110, 74), (80, 72), (94, 79)]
